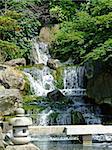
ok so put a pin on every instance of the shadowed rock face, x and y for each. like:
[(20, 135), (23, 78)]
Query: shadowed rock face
[(100, 88)]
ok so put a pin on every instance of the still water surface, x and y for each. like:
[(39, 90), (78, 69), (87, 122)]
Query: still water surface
[(69, 146)]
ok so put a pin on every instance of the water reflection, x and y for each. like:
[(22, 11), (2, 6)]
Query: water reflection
[(69, 146)]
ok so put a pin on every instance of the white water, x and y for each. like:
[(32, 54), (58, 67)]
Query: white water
[(43, 120), (73, 77), (42, 82), (40, 53)]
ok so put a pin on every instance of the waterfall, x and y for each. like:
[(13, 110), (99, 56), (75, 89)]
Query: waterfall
[(74, 81), (44, 120), (40, 54), (36, 87), (73, 77), (42, 82)]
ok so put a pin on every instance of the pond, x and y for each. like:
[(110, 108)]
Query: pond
[(48, 145)]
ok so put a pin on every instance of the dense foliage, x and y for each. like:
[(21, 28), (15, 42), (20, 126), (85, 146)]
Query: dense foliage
[(86, 35), (18, 25), (84, 28)]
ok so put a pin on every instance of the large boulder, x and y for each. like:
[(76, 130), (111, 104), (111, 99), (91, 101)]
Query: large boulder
[(9, 100), (16, 62), (55, 95), (58, 100), (53, 63), (11, 78), (100, 88)]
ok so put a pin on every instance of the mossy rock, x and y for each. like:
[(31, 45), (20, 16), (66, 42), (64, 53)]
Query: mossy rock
[(38, 66), (58, 75), (27, 89), (32, 98)]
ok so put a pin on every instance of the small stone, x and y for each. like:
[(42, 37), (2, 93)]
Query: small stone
[(22, 147), (53, 63)]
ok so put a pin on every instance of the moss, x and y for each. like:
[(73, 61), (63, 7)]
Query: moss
[(32, 98), (33, 108), (58, 76), (38, 66), (30, 106), (28, 102), (27, 90)]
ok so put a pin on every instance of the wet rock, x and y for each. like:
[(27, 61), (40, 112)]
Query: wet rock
[(11, 78), (16, 62), (58, 100), (55, 95), (53, 63), (9, 99), (22, 147)]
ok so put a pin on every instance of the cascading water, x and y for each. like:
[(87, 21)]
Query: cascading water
[(40, 53), (73, 78), (74, 81), (42, 82), (43, 120)]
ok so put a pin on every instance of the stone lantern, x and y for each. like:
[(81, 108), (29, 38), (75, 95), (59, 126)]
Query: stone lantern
[(20, 128)]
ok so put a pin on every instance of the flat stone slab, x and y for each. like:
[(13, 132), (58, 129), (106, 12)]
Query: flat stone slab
[(88, 129), (22, 147), (70, 130), (46, 130)]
